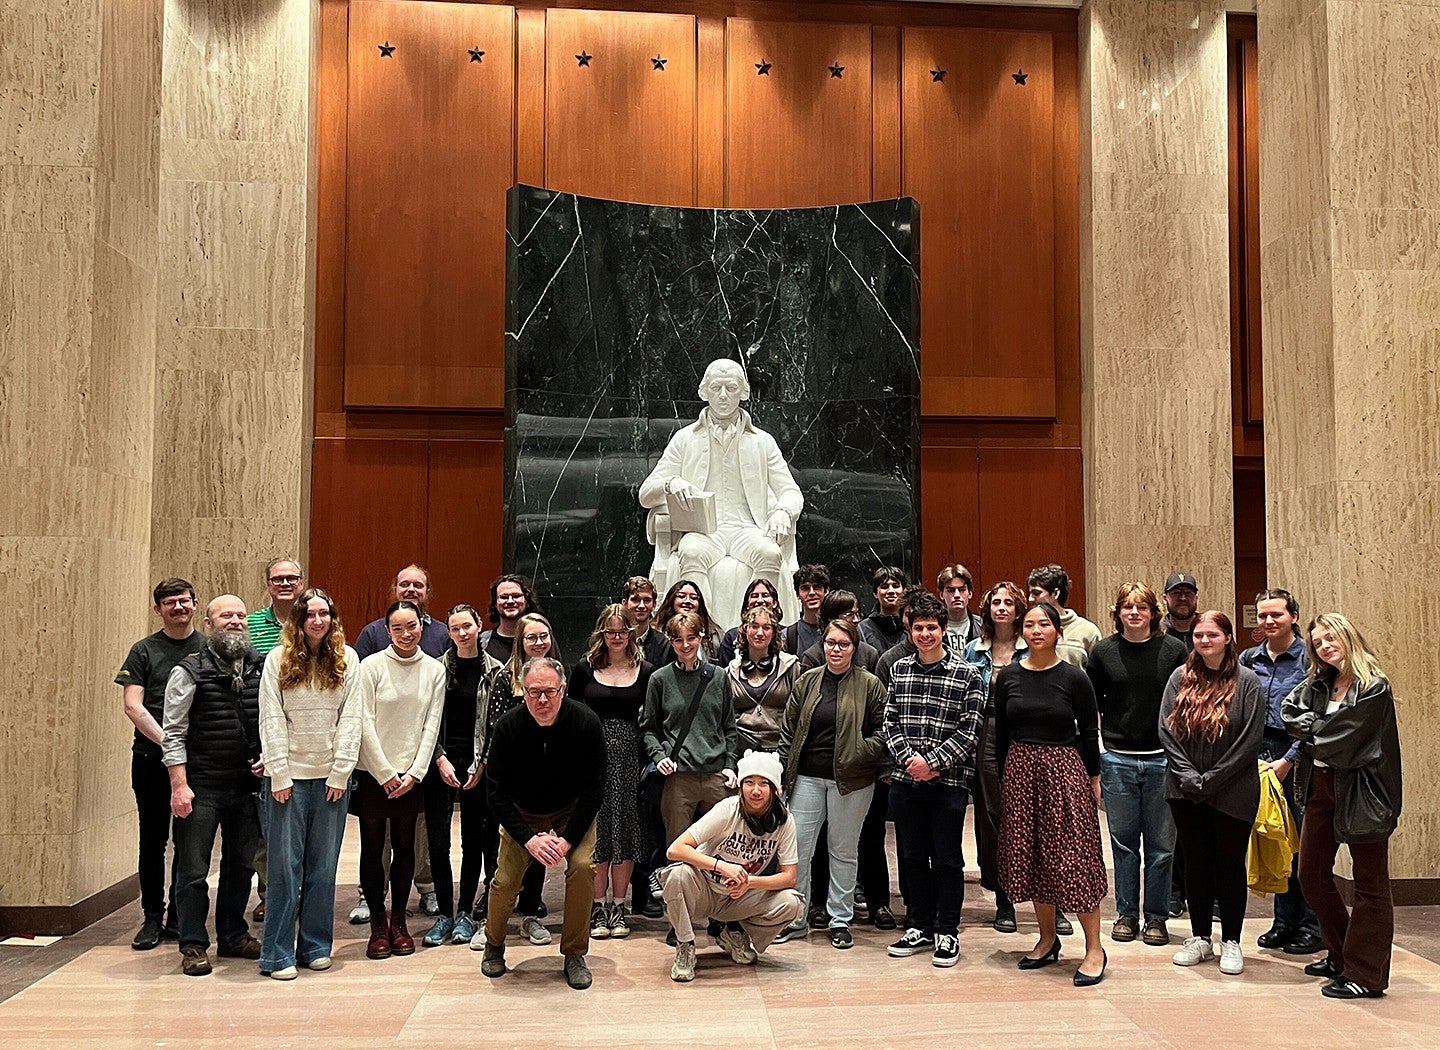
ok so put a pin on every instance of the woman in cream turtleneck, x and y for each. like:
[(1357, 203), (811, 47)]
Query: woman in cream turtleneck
[(402, 696)]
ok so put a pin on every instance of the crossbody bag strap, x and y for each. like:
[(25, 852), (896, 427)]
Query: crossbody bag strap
[(690, 710)]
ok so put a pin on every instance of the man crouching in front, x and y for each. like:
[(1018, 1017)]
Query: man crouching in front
[(716, 874)]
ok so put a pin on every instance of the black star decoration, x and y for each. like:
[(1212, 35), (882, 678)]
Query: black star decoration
[(583, 58), (1020, 77), (937, 76), (762, 68), (386, 49), (659, 63), (476, 54), (836, 70)]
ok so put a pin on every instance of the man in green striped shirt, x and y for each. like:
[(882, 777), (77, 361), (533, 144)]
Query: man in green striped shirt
[(284, 579)]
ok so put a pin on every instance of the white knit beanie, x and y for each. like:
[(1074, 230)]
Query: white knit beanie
[(761, 764)]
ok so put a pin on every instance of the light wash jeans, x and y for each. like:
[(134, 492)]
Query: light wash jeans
[(813, 803), (1134, 790), (304, 836)]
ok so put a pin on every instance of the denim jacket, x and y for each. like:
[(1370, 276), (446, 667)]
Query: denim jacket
[(977, 652)]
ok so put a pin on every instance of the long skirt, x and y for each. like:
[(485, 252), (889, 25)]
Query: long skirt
[(621, 834), (1050, 829)]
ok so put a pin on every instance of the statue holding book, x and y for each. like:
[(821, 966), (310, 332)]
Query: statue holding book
[(723, 503)]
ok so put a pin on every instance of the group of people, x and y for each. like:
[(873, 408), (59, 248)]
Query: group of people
[(725, 777)]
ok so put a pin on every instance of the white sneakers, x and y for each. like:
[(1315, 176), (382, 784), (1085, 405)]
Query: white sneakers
[(1231, 961), (1194, 951)]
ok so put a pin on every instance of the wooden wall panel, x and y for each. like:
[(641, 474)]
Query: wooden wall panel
[(949, 510), (978, 156), (1033, 514), (430, 156), (617, 126), (797, 137), (1244, 146), (368, 520), (465, 521)]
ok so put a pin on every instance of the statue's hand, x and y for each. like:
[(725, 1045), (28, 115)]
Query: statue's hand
[(681, 490), (779, 526)]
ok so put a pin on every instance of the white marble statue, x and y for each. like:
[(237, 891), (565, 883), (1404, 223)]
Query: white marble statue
[(755, 502)]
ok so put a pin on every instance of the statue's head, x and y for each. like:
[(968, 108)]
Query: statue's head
[(724, 386)]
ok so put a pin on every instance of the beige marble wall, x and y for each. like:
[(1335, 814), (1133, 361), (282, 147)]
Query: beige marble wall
[(232, 393), (79, 178), (1155, 350), (1350, 270)]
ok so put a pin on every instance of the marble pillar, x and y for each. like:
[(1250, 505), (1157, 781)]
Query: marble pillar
[(1350, 272), (1155, 336), (79, 190), (232, 391)]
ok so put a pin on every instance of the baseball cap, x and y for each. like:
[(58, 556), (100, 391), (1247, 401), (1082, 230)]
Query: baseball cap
[(1181, 579)]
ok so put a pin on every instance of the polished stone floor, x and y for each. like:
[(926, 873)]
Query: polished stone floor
[(92, 990)]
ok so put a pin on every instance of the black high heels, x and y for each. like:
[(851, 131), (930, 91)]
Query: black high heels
[(1089, 980), (1051, 956)]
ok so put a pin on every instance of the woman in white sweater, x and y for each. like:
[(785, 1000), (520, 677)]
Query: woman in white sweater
[(402, 696), (310, 739)]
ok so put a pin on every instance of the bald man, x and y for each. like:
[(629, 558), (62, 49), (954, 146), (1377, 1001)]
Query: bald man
[(211, 749)]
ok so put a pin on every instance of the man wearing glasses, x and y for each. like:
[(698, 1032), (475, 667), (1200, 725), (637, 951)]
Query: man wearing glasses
[(284, 579), (142, 679), (546, 781)]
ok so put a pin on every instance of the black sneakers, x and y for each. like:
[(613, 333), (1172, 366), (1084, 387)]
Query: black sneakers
[(912, 943)]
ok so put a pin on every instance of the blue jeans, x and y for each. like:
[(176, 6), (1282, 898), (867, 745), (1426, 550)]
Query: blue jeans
[(1134, 790), (929, 822), (813, 802), (304, 840), (231, 811), (1292, 910)]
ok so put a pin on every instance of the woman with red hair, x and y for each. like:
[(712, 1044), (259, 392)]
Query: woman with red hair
[(1211, 720)]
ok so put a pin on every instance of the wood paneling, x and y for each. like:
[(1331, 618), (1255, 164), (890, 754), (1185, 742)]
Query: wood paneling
[(949, 510), (465, 521), (885, 113), (797, 136), (1033, 514), (710, 112), (530, 96), (978, 157), (430, 154), (618, 127), (368, 519)]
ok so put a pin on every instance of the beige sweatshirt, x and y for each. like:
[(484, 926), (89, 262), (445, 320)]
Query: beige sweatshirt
[(401, 701), (308, 733)]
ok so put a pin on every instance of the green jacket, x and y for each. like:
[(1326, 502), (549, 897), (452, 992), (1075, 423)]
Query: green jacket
[(860, 709)]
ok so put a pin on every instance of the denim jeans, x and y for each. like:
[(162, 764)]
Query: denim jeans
[(814, 801), (304, 836), (930, 822), (233, 812), (1134, 789), (1292, 911)]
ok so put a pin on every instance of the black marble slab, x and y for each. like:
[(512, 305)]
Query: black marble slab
[(614, 311)]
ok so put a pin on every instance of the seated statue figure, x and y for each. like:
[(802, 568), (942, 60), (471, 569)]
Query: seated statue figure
[(756, 500)]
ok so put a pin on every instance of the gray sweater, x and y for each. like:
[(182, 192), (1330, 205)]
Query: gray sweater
[(1224, 772)]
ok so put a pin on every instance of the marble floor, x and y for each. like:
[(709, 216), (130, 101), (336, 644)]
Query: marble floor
[(92, 990)]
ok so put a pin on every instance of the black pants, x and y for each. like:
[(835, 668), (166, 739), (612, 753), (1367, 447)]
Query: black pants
[(533, 883), (150, 781), (235, 813), (1215, 846), (376, 811), (439, 805), (931, 818), (987, 807)]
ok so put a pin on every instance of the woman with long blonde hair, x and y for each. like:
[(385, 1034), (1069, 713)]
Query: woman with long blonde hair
[(1348, 780), (1211, 719), (310, 741)]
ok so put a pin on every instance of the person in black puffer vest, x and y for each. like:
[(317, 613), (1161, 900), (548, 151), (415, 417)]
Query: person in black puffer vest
[(212, 751)]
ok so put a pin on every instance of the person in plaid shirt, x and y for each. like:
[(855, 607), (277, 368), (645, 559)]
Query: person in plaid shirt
[(933, 716)]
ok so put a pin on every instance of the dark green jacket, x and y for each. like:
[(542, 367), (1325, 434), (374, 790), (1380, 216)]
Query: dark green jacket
[(859, 711)]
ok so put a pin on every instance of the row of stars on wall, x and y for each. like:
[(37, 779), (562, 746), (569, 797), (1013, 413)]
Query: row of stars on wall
[(762, 68)]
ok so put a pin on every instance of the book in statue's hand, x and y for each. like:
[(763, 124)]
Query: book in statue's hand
[(699, 516)]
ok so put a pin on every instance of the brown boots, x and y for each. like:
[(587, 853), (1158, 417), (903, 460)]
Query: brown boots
[(401, 943), (379, 944)]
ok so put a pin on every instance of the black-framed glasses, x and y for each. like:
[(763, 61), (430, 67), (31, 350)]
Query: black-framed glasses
[(538, 694), (624, 632), (285, 581)]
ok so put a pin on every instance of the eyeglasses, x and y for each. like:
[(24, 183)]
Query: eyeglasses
[(536, 638), (538, 694), (838, 646), (285, 581), (176, 603), (624, 633)]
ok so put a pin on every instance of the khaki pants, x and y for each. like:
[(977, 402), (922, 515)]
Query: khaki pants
[(579, 886), (693, 897), (687, 796)]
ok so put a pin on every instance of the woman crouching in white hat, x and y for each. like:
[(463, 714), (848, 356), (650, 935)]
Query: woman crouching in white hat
[(718, 864)]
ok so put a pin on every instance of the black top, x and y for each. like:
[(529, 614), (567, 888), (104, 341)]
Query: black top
[(499, 647), (817, 756), (1129, 680), (460, 708), (882, 631), (1055, 706), (148, 664), (543, 770), (608, 701)]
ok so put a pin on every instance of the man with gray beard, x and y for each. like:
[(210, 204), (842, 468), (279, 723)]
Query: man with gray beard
[(212, 752)]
